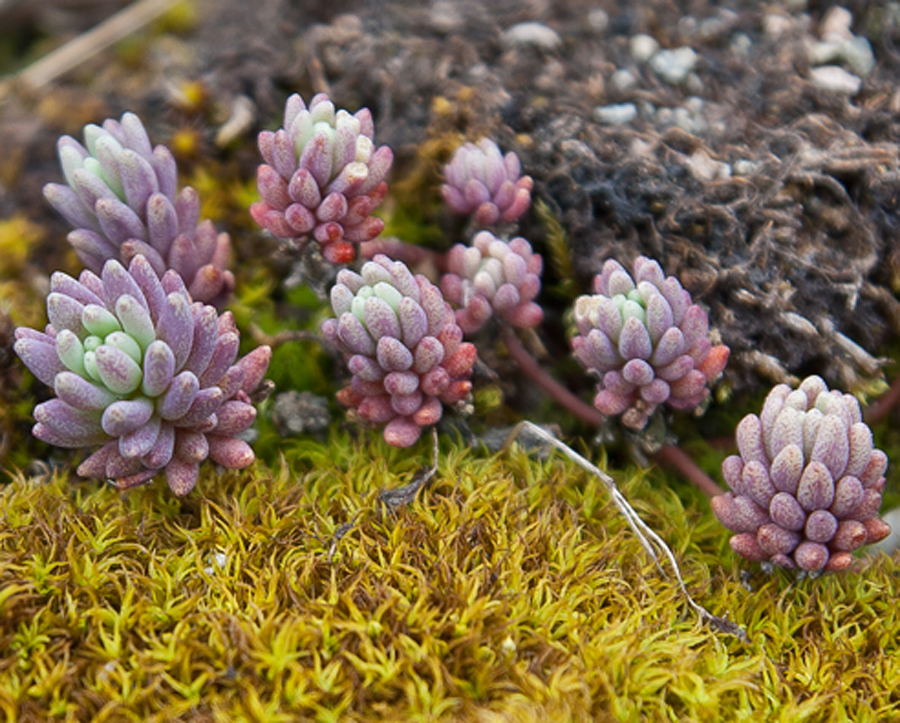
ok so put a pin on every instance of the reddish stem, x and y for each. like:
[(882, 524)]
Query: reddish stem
[(689, 469), (667, 455), (542, 378)]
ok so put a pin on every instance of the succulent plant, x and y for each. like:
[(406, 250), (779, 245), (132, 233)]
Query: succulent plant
[(142, 370), (402, 346), (647, 341), (483, 183), (807, 485), (322, 177), (493, 276), (122, 197)]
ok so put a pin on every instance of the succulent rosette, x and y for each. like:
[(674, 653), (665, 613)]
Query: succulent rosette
[(483, 183), (647, 341), (122, 197), (322, 177), (806, 487), (493, 277), (142, 370), (402, 346)]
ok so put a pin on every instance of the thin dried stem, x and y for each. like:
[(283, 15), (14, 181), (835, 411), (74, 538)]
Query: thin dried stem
[(651, 541), (94, 41)]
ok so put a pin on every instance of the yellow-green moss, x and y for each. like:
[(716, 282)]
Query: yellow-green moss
[(507, 591)]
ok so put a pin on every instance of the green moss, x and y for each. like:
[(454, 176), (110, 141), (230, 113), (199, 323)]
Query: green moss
[(507, 591)]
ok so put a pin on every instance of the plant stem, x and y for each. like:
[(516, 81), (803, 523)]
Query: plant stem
[(677, 458), (533, 370)]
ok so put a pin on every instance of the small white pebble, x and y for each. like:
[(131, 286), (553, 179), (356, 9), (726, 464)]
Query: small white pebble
[(643, 47), (673, 66), (836, 24), (536, 34), (598, 20), (613, 115), (623, 79), (775, 25), (743, 167), (835, 79)]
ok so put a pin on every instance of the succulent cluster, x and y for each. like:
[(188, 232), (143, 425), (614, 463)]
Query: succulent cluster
[(483, 183), (807, 485), (647, 341), (402, 346), (493, 277), (144, 371), (322, 177), (122, 197)]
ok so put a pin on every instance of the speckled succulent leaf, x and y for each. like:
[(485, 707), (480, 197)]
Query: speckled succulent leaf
[(402, 347), (480, 182), (808, 481), (493, 276), (143, 371), (646, 340), (122, 197), (322, 177)]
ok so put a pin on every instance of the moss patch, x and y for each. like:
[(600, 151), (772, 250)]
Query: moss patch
[(507, 591)]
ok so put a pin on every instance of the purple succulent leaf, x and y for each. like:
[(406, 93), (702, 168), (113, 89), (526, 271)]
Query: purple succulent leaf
[(162, 223), (163, 163), (875, 470), (95, 464), (179, 397), (788, 429), (832, 446), (39, 356), (176, 327), (634, 340), (135, 320), (353, 334), (187, 209), (181, 476), (860, 449), (750, 440), (190, 446), (428, 354), (206, 334), (118, 371), (811, 556), (786, 469), (90, 188), (757, 484), (637, 372), (70, 206), (159, 455), (159, 369), (126, 415), (732, 470), (402, 384), (80, 393), (132, 248), (230, 452), (748, 516), (139, 179), (206, 402), (816, 488), (64, 312), (821, 526), (234, 417), (848, 493), (786, 512), (222, 358), (776, 540), (393, 355), (140, 441), (67, 423)]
